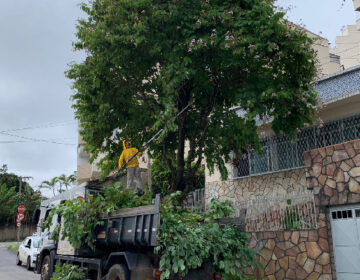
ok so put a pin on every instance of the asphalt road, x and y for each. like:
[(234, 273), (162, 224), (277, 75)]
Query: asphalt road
[(10, 271)]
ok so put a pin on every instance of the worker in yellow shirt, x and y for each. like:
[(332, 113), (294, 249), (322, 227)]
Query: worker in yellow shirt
[(132, 165)]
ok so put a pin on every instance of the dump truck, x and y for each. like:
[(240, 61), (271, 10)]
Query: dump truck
[(124, 249)]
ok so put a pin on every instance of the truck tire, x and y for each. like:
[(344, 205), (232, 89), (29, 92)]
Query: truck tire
[(118, 272), (45, 268)]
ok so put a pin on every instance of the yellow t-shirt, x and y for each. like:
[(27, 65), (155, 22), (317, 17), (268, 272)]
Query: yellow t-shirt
[(126, 155)]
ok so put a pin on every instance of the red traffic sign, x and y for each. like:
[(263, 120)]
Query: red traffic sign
[(20, 217), (21, 209), (18, 224)]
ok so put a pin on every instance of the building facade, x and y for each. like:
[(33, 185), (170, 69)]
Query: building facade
[(301, 197)]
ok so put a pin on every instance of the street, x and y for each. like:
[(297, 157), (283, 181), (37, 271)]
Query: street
[(10, 271)]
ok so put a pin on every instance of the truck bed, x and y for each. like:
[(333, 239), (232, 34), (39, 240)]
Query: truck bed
[(130, 226)]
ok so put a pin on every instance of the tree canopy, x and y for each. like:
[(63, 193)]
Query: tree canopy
[(149, 59), (10, 198)]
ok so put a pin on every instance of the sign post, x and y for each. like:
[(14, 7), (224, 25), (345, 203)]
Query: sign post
[(21, 208), (19, 217)]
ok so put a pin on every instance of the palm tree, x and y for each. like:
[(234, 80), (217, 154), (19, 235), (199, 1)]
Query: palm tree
[(51, 185), (66, 180)]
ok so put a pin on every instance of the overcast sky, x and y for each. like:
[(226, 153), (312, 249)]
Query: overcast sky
[(35, 48)]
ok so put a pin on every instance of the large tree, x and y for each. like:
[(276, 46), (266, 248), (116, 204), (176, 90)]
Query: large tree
[(149, 59)]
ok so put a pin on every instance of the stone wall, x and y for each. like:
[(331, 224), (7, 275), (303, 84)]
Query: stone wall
[(333, 173), (292, 255), (272, 184)]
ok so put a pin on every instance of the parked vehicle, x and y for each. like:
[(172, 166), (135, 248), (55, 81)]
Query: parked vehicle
[(28, 252)]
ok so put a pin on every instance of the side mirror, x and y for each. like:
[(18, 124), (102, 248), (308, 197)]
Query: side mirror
[(27, 246), (36, 216)]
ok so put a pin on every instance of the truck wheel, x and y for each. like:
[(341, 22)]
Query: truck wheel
[(45, 268), (18, 262), (118, 272), (28, 263)]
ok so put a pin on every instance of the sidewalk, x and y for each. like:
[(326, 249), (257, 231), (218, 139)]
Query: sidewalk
[(6, 244)]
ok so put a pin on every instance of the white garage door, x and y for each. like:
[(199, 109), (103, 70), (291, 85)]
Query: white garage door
[(345, 227)]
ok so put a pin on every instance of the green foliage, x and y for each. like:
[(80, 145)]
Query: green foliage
[(161, 177), (8, 202), (217, 210), (147, 60), (68, 272), (56, 183), (186, 240), (51, 185), (14, 248), (80, 217), (116, 198), (12, 180), (291, 218), (9, 197), (56, 233)]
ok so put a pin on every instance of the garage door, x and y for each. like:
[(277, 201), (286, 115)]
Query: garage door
[(345, 227)]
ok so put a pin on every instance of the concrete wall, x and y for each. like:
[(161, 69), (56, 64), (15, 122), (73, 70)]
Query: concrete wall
[(321, 46), (348, 45), (9, 232)]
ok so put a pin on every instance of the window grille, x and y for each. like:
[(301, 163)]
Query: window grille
[(281, 153)]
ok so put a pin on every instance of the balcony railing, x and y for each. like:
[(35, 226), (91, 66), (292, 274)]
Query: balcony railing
[(281, 153)]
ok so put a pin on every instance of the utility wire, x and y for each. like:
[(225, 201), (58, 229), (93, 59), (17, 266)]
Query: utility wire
[(10, 142), (37, 140), (55, 124)]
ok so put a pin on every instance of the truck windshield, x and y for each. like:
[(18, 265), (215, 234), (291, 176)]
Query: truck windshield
[(36, 242)]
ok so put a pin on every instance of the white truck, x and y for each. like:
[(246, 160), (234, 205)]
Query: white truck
[(124, 244)]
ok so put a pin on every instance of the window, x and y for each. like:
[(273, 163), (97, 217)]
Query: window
[(357, 213), (36, 242), (341, 214), (281, 153)]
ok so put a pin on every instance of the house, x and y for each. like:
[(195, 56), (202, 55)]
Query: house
[(302, 196)]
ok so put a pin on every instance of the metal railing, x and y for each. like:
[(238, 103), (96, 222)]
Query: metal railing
[(282, 153), (289, 212), (293, 211), (195, 201)]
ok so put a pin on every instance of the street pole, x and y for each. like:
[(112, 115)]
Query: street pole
[(19, 227), (20, 202)]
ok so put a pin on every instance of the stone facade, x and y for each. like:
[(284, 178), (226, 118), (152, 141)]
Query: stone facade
[(253, 187), (333, 173), (291, 255)]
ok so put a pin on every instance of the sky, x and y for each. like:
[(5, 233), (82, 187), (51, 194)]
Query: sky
[(35, 49), (323, 17)]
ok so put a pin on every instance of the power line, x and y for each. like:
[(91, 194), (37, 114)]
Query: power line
[(10, 142), (37, 140), (55, 124)]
